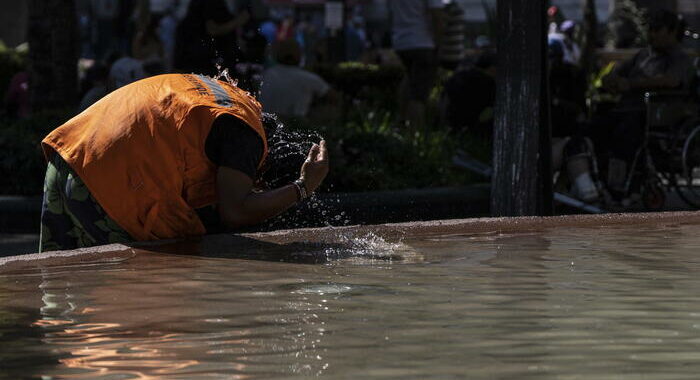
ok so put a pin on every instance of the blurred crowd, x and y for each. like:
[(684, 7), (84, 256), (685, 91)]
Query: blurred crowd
[(271, 50)]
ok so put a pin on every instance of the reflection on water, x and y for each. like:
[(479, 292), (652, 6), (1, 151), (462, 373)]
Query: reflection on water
[(569, 303)]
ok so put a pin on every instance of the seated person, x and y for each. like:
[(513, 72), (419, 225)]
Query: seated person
[(662, 65), (287, 89), (569, 147)]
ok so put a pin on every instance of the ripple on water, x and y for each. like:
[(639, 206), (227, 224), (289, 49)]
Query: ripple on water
[(516, 312)]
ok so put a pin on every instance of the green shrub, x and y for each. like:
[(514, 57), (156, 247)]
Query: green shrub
[(369, 153), (372, 84), (22, 163), (12, 61)]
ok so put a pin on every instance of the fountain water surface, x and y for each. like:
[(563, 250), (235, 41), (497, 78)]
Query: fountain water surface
[(568, 297)]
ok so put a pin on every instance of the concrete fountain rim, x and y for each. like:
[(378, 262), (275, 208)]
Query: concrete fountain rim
[(332, 234)]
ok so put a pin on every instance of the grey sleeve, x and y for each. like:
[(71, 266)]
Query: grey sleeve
[(320, 87)]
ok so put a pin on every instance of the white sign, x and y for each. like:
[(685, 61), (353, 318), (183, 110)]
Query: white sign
[(334, 15)]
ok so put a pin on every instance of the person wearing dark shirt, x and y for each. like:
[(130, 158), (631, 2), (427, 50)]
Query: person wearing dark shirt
[(233, 145), (661, 66)]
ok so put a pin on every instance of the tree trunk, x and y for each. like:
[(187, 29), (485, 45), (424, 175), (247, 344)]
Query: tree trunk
[(522, 181), (53, 53)]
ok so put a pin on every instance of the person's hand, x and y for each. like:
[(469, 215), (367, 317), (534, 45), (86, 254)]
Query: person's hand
[(315, 168)]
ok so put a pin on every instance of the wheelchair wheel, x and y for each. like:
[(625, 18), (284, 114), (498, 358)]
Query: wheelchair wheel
[(689, 183)]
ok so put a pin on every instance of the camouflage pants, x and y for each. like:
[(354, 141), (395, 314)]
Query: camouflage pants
[(70, 215)]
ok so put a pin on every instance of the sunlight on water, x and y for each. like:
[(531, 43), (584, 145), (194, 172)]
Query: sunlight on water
[(369, 249), (569, 303)]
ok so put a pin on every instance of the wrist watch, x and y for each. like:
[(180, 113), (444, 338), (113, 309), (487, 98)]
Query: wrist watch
[(301, 189)]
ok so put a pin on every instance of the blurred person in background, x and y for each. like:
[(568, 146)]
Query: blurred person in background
[(207, 37), (287, 89), (570, 149), (564, 36), (96, 79), (16, 99), (417, 30), (105, 16), (355, 38), (452, 46), (125, 70), (377, 20), (147, 46)]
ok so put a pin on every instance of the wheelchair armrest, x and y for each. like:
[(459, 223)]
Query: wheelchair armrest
[(666, 95), (669, 108)]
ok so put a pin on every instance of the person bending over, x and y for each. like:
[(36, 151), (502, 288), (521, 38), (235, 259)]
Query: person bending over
[(140, 163)]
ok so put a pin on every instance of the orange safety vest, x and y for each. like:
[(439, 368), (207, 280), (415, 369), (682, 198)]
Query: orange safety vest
[(140, 150)]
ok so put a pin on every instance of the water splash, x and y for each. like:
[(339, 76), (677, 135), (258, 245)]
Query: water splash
[(287, 150), (368, 248), (222, 74)]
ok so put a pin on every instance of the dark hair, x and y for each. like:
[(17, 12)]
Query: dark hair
[(669, 20)]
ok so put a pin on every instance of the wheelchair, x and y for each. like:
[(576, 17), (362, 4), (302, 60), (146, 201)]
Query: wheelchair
[(668, 160)]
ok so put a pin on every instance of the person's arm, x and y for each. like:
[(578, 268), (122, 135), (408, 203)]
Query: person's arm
[(678, 75), (240, 206), (664, 81), (614, 81)]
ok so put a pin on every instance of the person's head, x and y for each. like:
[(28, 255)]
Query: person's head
[(553, 13), (287, 52), (665, 29)]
